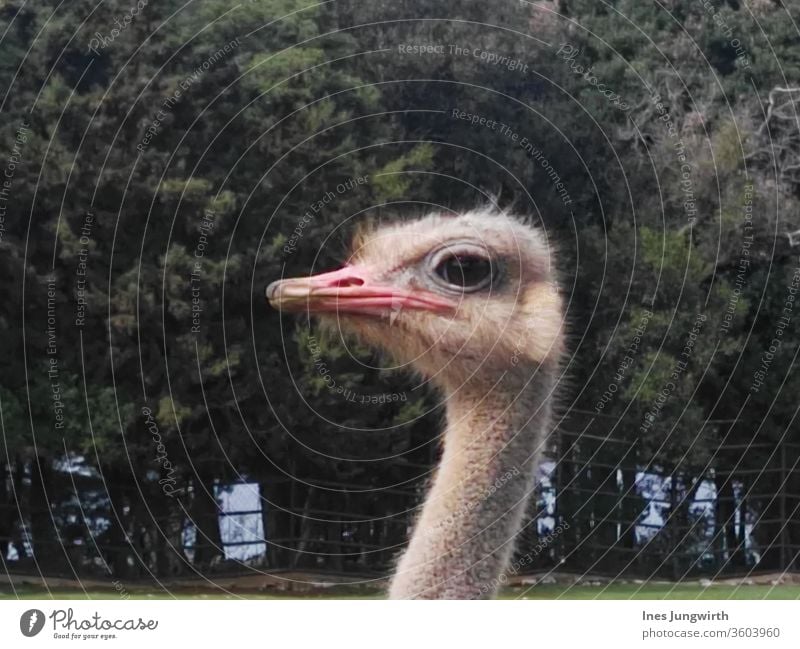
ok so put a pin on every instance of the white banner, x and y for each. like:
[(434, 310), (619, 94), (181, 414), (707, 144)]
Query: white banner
[(353, 624)]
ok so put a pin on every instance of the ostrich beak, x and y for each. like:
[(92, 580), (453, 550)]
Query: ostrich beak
[(350, 290)]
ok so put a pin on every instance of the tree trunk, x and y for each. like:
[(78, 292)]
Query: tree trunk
[(674, 535), (334, 548), (275, 506), (7, 514), (728, 506), (47, 548), (117, 549), (205, 517), (167, 536), (19, 532), (306, 527), (631, 507)]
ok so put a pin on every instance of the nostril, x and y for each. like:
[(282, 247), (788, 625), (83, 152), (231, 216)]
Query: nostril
[(348, 281)]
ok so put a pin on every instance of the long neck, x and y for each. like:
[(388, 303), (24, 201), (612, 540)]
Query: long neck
[(465, 534)]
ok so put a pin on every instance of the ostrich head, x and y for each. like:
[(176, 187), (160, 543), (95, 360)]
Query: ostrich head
[(461, 299), (470, 302)]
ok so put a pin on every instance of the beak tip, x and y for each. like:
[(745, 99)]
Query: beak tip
[(271, 290)]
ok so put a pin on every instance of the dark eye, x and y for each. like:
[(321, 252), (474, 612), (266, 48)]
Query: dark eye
[(465, 271)]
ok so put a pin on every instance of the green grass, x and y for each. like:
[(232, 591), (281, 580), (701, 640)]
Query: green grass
[(615, 591), (655, 591)]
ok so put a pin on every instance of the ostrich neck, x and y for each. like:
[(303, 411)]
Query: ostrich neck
[(465, 534)]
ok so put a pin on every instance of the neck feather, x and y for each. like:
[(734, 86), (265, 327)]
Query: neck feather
[(464, 537)]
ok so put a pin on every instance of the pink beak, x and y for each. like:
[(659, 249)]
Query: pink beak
[(350, 290)]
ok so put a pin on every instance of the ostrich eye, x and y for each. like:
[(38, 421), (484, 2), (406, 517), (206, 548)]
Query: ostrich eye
[(467, 272)]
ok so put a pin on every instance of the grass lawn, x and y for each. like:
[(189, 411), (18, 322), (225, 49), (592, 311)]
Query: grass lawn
[(615, 591), (655, 591)]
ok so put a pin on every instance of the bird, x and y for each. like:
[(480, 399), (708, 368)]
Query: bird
[(471, 302)]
